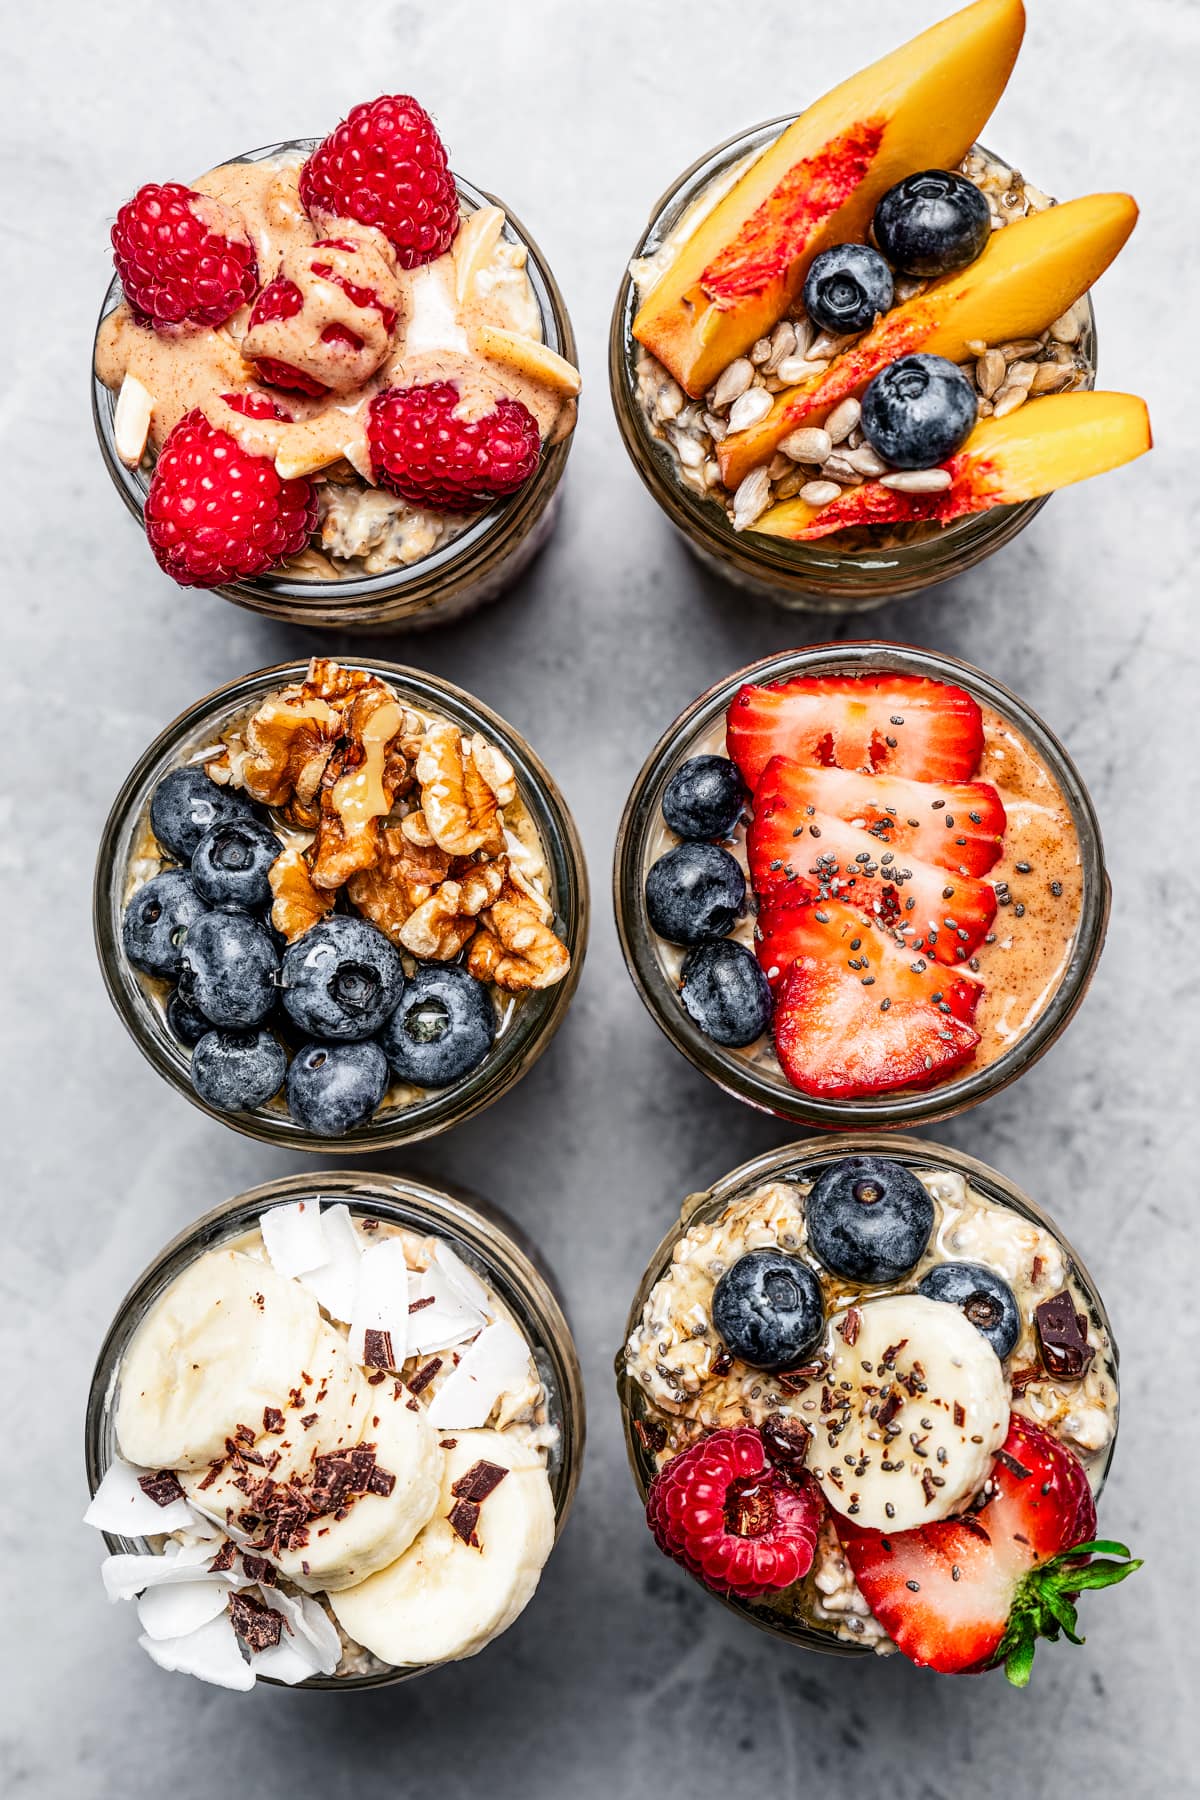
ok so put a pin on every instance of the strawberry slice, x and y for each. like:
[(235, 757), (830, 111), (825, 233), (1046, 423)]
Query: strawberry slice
[(902, 724), (958, 826), (814, 856), (968, 1593), (855, 1013)]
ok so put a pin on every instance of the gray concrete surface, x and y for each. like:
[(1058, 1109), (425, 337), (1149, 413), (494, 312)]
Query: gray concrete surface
[(621, 1678)]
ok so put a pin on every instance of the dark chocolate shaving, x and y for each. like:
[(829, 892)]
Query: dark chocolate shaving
[(162, 1488), (463, 1517), (377, 1350), (380, 1482), (256, 1625), (424, 1375), (851, 1325), (480, 1480), (223, 1560), (260, 1570), (273, 1420), (1012, 1465), (419, 1305), (1062, 1338)]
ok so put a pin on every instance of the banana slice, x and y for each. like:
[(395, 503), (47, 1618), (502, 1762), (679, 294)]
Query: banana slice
[(914, 1406), (227, 1339), (446, 1597)]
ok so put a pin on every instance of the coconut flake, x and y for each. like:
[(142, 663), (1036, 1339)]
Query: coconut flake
[(211, 1654), (122, 1506), (294, 1238), (127, 1575), (284, 1662), (334, 1281), (461, 1276), (497, 1360), (442, 1316), (180, 1608), (381, 1301), (314, 1635)]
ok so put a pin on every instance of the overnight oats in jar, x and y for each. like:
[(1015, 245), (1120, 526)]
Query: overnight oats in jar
[(860, 885), (332, 1436), (854, 351), (340, 902), (870, 1398), (335, 382)]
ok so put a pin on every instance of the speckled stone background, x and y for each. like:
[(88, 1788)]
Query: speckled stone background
[(621, 1678)]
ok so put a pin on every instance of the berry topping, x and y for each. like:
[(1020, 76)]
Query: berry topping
[(918, 411), (214, 513), (186, 1023), (846, 287), (385, 165), (341, 979), (868, 1219), (182, 258), (694, 893), (186, 804), (965, 1594), (232, 862), (768, 1309), (325, 323), (726, 993), (236, 1071), (157, 921), (443, 1027), (424, 451), (331, 1088), (704, 798), (983, 1296), (278, 302), (731, 1518), (229, 969), (256, 406), (931, 223)]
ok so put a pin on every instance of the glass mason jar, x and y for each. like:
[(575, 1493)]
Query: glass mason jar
[(816, 577), (523, 1034), (767, 1088), (474, 567), (478, 1232), (801, 1162)]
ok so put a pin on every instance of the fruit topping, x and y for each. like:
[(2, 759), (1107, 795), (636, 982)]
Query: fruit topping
[(157, 921), (186, 1023), (231, 864), (963, 1594), (869, 1219), (932, 223), (186, 804), (982, 1296), (726, 993), (733, 1519), (443, 1027), (768, 1310), (182, 257), (846, 287), (385, 165), (332, 1088), (890, 723), (694, 893), (704, 798), (216, 513), (341, 980), (229, 970), (236, 1071), (429, 453), (325, 322), (918, 411)]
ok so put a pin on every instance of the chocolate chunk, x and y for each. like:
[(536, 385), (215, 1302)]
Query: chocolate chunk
[(722, 1362), (419, 1305), (786, 1441), (851, 1325), (309, 1420), (259, 1569), (223, 1560), (244, 1435), (272, 1419), (888, 1410), (1012, 1465), (375, 1379), (424, 1375), (256, 1625), (162, 1488), (653, 1437), (1021, 1378), (447, 1443), (1062, 1338), (380, 1482), (480, 1480), (464, 1516), (377, 1350)]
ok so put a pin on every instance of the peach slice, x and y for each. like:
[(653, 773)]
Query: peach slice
[(921, 107), (1028, 275), (1046, 444)]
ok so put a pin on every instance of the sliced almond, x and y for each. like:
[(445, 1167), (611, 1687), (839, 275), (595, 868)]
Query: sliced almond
[(528, 357), (306, 458), (473, 247), (131, 421)]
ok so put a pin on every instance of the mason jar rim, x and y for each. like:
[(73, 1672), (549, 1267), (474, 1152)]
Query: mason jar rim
[(734, 1073), (491, 1241), (540, 1012), (505, 519), (800, 1159)]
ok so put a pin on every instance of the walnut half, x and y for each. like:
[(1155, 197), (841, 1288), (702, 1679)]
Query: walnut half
[(446, 922), (515, 948)]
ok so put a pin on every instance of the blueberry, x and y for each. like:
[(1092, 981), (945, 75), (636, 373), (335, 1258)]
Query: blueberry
[(229, 969), (443, 1027), (158, 920), (186, 804), (726, 993), (235, 1071), (767, 1309), (869, 1220), (918, 411), (931, 223), (694, 893), (981, 1296), (846, 286), (331, 1088), (186, 1023), (704, 798), (231, 862), (341, 979)]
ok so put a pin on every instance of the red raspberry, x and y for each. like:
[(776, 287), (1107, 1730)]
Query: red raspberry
[(182, 256), (385, 165), (215, 513), (256, 406), (424, 452), (361, 296), (281, 300), (727, 1514)]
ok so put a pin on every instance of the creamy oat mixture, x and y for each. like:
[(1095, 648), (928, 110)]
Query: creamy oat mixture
[(380, 1497), (821, 464), (684, 1384), (471, 316)]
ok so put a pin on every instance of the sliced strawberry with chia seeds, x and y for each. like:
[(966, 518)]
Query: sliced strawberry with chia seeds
[(886, 723), (823, 929)]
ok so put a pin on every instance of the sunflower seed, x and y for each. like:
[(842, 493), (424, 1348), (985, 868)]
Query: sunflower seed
[(778, 467), (1066, 330), (790, 485), (907, 288), (809, 444), (1019, 347), (977, 346), (843, 419), (753, 497), (867, 461), (989, 372), (829, 345), (1050, 377), (798, 368), (716, 428), (760, 351), (918, 481), (1007, 401), (1021, 375), (836, 468), (819, 493), (750, 408), (731, 383), (783, 343)]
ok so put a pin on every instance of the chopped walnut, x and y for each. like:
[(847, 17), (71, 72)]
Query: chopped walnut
[(288, 743), (297, 905), (460, 804), (416, 830), (515, 948), (446, 922), (403, 878)]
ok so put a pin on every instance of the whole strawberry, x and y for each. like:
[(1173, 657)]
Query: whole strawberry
[(426, 453), (732, 1518), (965, 1594), (215, 513), (183, 258), (385, 165)]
